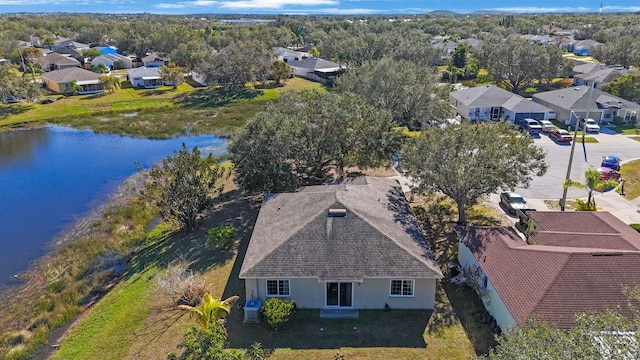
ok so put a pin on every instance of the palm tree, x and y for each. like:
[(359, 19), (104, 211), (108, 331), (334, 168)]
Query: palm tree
[(73, 87), (593, 182), (211, 311)]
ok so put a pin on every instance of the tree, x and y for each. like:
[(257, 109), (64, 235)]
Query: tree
[(307, 135), (280, 71), (184, 183), (599, 335), (459, 56), (238, 64), (211, 311), (410, 92), (626, 87), (172, 73), (91, 53), (191, 54), (73, 88), (314, 52), (205, 343), (17, 87), (471, 160), (619, 51), (515, 64), (100, 68), (592, 182), (111, 83)]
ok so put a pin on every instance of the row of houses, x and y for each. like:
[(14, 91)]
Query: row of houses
[(491, 102)]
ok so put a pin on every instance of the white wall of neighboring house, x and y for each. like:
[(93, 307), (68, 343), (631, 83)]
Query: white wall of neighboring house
[(491, 299)]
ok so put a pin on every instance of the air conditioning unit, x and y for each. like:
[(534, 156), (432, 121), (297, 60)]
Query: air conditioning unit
[(252, 311)]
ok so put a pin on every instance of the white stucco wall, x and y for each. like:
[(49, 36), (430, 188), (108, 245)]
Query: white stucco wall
[(369, 294), (492, 301)]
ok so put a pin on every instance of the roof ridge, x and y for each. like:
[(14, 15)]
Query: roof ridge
[(408, 251), (576, 233), (549, 285), (300, 228)]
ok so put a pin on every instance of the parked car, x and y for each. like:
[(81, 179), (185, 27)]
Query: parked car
[(560, 136), (512, 202), (531, 126), (589, 125), (608, 174), (547, 126), (611, 162)]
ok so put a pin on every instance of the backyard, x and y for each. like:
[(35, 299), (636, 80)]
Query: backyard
[(150, 326)]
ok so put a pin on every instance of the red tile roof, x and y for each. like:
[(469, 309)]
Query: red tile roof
[(578, 262)]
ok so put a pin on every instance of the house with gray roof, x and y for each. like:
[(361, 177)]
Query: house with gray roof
[(146, 77), (601, 76), (354, 245), (583, 47), (568, 263), (112, 60), (62, 81), (315, 69), (491, 102), (153, 60), (587, 102), (55, 61)]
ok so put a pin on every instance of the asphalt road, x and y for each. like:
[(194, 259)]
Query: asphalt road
[(549, 186)]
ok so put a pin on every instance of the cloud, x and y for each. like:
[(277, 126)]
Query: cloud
[(621, 8), (273, 4), (533, 9)]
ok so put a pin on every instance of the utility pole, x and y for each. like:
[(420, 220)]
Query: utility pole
[(573, 147)]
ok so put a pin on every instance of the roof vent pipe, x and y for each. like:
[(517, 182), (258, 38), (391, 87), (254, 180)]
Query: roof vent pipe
[(337, 213)]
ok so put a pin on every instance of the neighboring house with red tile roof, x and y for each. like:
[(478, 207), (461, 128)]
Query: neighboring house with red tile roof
[(570, 263), (354, 245)]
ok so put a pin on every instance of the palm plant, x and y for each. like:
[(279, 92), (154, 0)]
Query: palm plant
[(592, 182), (211, 311)]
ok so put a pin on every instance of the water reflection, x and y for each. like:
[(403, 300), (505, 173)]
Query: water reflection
[(50, 176)]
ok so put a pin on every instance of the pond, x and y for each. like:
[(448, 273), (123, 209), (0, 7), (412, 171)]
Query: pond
[(53, 175)]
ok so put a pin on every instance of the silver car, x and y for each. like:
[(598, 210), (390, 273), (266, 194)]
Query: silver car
[(512, 202)]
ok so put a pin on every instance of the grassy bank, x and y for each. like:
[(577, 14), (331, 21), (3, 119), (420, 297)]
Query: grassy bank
[(631, 173), (451, 331), (155, 113)]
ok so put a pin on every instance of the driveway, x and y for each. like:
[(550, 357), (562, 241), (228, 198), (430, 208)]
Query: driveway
[(549, 186)]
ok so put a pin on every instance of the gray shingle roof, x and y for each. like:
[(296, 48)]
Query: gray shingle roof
[(488, 95), (579, 98), (70, 74), (144, 72), (313, 63), (379, 236), (55, 58)]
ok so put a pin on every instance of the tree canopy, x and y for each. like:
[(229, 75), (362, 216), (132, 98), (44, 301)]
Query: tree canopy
[(15, 86), (410, 92), (515, 64), (307, 135), (172, 73), (470, 160), (184, 183), (626, 87)]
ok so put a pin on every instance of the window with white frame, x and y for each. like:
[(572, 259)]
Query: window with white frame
[(402, 287), (277, 287)]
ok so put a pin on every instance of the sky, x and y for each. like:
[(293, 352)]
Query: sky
[(332, 7)]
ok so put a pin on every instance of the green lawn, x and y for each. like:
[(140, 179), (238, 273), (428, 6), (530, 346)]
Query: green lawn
[(449, 332), (631, 173), (156, 113)]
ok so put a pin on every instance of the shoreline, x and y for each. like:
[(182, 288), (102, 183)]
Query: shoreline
[(80, 228)]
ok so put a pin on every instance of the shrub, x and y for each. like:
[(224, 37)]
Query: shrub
[(180, 284), (277, 311), (222, 237), (618, 121), (636, 227), (584, 206)]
